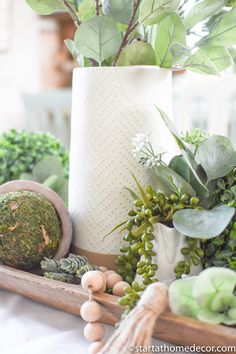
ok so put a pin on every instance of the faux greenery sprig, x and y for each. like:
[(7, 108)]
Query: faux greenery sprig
[(195, 193), (136, 257), (150, 32)]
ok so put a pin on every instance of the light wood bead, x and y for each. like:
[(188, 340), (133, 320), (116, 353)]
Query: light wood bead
[(93, 279), (119, 288), (103, 269), (112, 279), (91, 311), (103, 289), (95, 347), (94, 331), (108, 272)]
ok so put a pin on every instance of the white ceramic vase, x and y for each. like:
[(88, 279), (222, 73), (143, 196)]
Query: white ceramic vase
[(167, 245), (111, 105)]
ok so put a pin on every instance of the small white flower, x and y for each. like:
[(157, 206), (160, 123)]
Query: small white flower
[(139, 141)]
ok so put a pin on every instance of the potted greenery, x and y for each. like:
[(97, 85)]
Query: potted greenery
[(127, 50), (193, 200)]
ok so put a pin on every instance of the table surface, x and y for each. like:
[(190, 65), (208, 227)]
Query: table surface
[(31, 328)]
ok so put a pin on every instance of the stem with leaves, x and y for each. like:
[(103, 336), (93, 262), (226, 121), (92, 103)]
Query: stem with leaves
[(74, 15), (130, 29)]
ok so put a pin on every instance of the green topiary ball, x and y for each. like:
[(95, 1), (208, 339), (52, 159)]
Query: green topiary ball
[(29, 229), (21, 151)]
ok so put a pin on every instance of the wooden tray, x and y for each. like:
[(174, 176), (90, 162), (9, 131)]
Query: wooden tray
[(171, 328)]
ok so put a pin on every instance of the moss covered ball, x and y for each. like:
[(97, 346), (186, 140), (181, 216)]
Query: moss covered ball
[(29, 229)]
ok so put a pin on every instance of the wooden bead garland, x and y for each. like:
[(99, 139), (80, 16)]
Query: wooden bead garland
[(91, 310)]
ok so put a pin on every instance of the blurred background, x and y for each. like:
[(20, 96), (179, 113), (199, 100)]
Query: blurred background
[(36, 71)]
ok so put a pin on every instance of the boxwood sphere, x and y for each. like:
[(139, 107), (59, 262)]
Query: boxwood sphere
[(29, 229)]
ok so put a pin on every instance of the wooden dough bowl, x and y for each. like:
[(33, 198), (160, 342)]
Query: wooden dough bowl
[(169, 327)]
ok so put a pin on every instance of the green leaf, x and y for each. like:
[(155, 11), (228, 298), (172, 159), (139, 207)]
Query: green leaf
[(219, 56), (224, 32), (51, 181), (44, 7), (180, 53), (170, 30), (181, 299), (145, 200), (70, 44), (98, 38), (203, 224), (115, 228), (132, 193), (119, 10), (153, 11), (201, 64), (172, 129), (137, 53), (180, 166), (168, 181), (50, 172), (217, 156), (209, 316), (187, 154), (202, 11), (86, 9), (47, 7), (198, 173)]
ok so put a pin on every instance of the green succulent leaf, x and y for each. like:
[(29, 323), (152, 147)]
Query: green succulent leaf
[(119, 10), (201, 64), (209, 297), (98, 38), (202, 11), (170, 30), (153, 11), (217, 156), (219, 56), (168, 181), (137, 53), (181, 298), (224, 32), (203, 224), (208, 316)]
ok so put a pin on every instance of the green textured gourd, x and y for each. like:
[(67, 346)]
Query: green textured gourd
[(29, 229)]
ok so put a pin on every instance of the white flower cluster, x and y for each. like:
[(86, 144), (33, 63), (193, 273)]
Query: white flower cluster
[(143, 151)]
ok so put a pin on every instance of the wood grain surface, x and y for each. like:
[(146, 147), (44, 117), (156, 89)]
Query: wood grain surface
[(69, 298)]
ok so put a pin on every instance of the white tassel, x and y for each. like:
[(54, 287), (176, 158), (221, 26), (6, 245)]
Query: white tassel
[(136, 329)]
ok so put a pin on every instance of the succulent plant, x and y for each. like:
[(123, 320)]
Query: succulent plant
[(68, 270), (209, 297)]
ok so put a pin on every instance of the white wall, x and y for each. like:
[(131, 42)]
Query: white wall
[(19, 66)]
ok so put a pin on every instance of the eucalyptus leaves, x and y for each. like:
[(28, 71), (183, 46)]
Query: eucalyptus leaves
[(150, 32)]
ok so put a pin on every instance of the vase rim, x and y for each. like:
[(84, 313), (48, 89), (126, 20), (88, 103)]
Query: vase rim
[(122, 68)]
